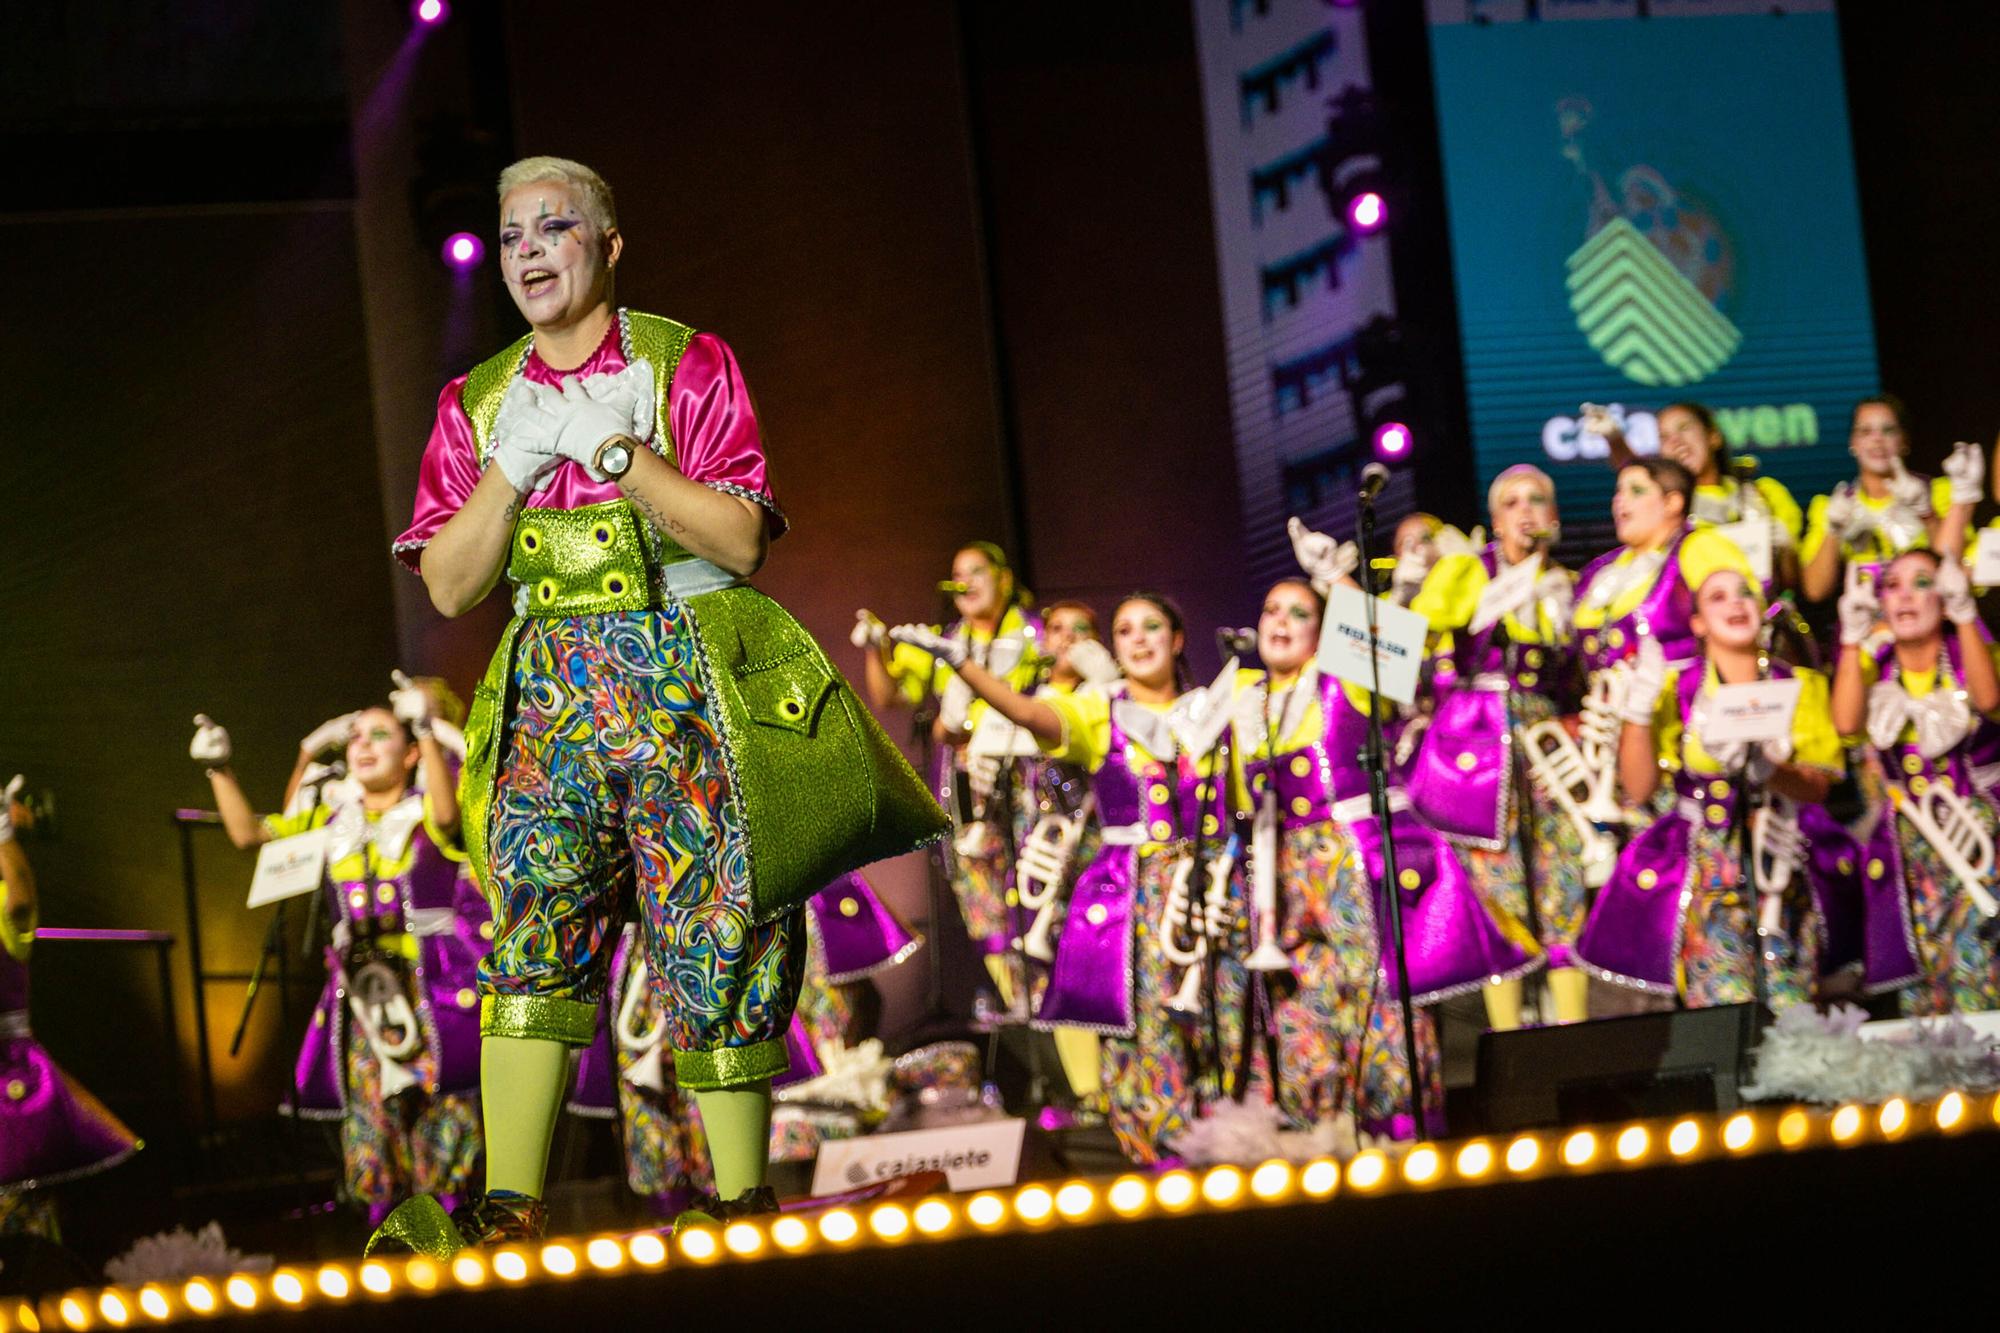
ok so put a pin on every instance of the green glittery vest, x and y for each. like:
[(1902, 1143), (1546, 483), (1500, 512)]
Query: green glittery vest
[(819, 787)]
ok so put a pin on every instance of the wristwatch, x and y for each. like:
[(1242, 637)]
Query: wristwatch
[(614, 460)]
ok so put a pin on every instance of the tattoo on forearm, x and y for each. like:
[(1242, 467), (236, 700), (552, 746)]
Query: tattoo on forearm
[(513, 509), (661, 521)]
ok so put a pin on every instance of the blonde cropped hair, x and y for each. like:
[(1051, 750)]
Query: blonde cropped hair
[(592, 194), (1518, 472)]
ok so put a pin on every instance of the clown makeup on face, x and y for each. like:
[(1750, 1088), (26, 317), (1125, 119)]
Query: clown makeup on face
[(1523, 513), (1910, 602), (1064, 625), (1146, 644), (1416, 536), (1288, 629), (380, 755), (1690, 441), (1877, 440), (986, 586), (1728, 611), (1644, 512), (555, 261)]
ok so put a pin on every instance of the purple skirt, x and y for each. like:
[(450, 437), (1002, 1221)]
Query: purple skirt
[(51, 1128)]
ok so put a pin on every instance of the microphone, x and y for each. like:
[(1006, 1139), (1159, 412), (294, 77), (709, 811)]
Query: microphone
[(1373, 478), (1235, 642), (953, 587)]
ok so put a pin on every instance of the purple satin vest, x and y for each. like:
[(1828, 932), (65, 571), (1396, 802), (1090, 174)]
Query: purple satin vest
[(1664, 614)]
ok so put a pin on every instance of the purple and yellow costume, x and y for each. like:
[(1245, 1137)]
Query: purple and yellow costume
[(392, 1051), (1679, 915), (1924, 937), (650, 725), (51, 1128), (1625, 596), (1340, 1030), (1470, 784)]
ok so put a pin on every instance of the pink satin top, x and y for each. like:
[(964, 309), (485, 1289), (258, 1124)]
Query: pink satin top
[(710, 419)]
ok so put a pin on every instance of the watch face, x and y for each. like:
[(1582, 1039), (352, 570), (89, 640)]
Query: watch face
[(617, 460)]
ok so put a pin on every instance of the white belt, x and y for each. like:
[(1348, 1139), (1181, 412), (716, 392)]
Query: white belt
[(692, 578), (14, 1025), (1492, 682), (427, 921), (1125, 835), (1357, 808)]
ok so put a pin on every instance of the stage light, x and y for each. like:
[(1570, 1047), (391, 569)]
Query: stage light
[(1366, 212), (376, 1279), (559, 1259), (1475, 1159), (744, 1239), (154, 1302), (604, 1253), (1222, 1186), (1392, 440), (889, 1222), (1175, 1190), (1794, 1128), (287, 1287), (421, 1273), (1580, 1148), (200, 1297), (986, 1211), (1684, 1138), (1368, 1170), (698, 1243), (1128, 1195), (1422, 1166), (73, 1312), (1034, 1204), (468, 1270), (114, 1309), (430, 13), (1522, 1154), (647, 1249), (463, 251), (1632, 1143), (1271, 1180), (510, 1265), (791, 1233), (242, 1293), (1846, 1123), (333, 1283), (1320, 1178), (1950, 1111), (1075, 1199), (839, 1226), (933, 1217)]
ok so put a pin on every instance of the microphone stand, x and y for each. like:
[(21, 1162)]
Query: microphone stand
[(937, 1014), (1375, 757)]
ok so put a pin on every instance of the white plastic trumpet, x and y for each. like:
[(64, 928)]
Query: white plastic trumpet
[(1203, 922), (648, 1070), (1947, 823), (1267, 956), (1602, 724), (1558, 767), (1039, 873), (984, 772), (380, 1005), (1777, 851)]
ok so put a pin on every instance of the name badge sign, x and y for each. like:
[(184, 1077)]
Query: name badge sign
[(981, 1155), (1758, 711), (1399, 645), (1753, 537), (1986, 560), (289, 867), (998, 737)]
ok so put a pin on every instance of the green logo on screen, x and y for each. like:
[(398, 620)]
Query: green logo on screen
[(1649, 323)]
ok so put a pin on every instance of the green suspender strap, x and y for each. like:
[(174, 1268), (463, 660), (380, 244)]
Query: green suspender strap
[(820, 787)]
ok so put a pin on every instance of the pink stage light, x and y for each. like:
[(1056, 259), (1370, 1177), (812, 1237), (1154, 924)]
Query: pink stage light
[(463, 250), (1367, 211), (430, 13), (1392, 440)]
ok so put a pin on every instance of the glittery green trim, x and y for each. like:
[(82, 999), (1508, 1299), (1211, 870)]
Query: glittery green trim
[(732, 1066), (544, 1017), (419, 1225)]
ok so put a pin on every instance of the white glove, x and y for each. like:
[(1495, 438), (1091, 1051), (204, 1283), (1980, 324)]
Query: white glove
[(1955, 591), (7, 799), (1325, 561), (1555, 592), (1967, 469), (1093, 661), (210, 745), (584, 423), (332, 734), (630, 391), (1450, 541), (868, 631), (1911, 491), (1860, 610), (412, 704), (1643, 686), (1846, 516), (524, 438), (944, 647), (1596, 419)]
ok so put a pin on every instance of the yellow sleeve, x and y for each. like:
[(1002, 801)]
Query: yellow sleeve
[(1450, 593), (1940, 495), (16, 942), (910, 668), (452, 846), (285, 826), (1815, 744), (1815, 528), (1782, 506), (1667, 724), (1086, 724)]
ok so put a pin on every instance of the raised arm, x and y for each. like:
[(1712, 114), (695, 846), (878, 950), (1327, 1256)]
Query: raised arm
[(211, 748), (1034, 716), (413, 704), (1954, 589)]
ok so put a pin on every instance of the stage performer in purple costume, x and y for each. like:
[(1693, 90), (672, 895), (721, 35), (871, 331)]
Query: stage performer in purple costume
[(1003, 635), (1683, 914), (51, 1129), (1924, 703), (650, 728), (1148, 742), (1502, 617), (392, 1051), (1299, 736)]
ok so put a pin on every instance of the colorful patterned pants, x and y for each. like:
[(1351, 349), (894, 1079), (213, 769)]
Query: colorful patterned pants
[(1556, 858), (1960, 967), (1718, 952), (1340, 1033), (612, 786), (412, 1143), (981, 875)]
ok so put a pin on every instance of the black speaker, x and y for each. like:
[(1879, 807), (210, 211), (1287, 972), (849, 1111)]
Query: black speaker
[(1613, 1069)]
